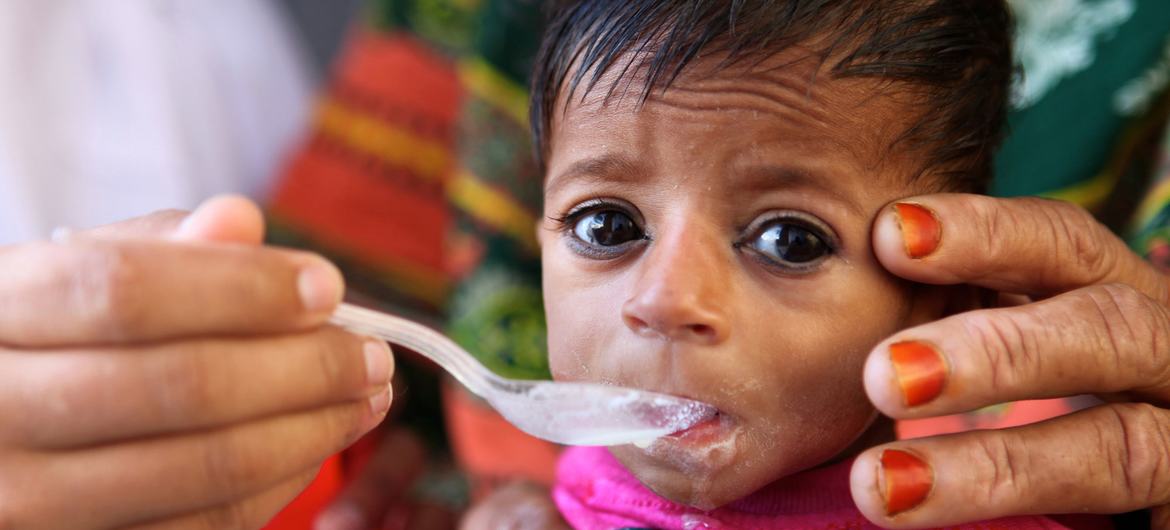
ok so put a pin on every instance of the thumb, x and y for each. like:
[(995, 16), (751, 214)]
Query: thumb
[(223, 219), (398, 461)]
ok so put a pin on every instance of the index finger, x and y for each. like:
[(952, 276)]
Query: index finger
[(1032, 246), (124, 291)]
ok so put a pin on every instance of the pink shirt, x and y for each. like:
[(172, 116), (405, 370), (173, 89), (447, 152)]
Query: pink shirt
[(593, 492)]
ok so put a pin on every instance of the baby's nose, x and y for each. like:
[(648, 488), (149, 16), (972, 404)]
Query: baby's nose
[(681, 294), (683, 322)]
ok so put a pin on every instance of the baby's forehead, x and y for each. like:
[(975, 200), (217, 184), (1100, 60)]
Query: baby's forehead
[(785, 98)]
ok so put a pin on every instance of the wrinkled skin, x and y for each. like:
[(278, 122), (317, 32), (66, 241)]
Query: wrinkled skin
[(703, 306)]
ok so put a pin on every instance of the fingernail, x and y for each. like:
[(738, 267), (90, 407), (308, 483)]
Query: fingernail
[(344, 517), (921, 230), (378, 363), (380, 403), (320, 286), (920, 371), (907, 480)]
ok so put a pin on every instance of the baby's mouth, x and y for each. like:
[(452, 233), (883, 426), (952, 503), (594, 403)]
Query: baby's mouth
[(702, 448), (704, 431)]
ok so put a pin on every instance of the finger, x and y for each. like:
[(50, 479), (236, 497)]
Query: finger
[(160, 224), (1028, 246), (1110, 338), (100, 291), (84, 398), (1109, 459), (399, 461), (224, 219), (150, 479), (252, 512)]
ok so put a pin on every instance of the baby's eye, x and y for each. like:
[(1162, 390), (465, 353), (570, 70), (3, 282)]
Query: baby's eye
[(606, 228), (790, 244)]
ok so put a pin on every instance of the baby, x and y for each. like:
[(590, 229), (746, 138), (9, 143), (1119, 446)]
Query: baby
[(713, 170)]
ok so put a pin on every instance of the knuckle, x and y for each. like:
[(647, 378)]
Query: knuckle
[(1142, 434), (1078, 237), (104, 283), (1003, 460), (1129, 331), (184, 383), (225, 467), (1010, 350)]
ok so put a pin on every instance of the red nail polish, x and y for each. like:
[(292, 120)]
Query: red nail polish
[(920, 371), (921, 230), (908, 480)]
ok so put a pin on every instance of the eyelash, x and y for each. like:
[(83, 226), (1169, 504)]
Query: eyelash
[(566, 223), (805, 221)]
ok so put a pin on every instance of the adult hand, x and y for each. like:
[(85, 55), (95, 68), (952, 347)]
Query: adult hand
[(1090, 317), (169, 372)]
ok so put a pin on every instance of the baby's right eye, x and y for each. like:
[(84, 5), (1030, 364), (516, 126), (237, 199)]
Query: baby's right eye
[(606, 228)]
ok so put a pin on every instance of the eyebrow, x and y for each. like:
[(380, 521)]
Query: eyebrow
[(766, 177), (619, 168), (605, 168)]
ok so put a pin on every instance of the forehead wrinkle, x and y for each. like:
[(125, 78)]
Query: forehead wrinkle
[(744, 98), (792, 84)]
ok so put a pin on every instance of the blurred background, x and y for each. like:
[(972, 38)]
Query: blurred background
[(391, 136)]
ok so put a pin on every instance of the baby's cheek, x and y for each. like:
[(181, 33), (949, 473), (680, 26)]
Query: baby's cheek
[(566, 357)]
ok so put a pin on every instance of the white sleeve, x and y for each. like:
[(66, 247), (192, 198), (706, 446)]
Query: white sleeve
[(114, 108)]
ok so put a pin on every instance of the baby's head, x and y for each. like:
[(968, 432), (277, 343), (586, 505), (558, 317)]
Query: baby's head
[(713, 170)]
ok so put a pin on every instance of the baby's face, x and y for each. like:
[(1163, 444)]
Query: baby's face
[(715, 244)]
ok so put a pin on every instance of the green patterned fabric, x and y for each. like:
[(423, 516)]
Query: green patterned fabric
[(1089, 103), (496, 312), (1088, 113)]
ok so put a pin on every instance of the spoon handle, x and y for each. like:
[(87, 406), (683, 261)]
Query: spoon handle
[(417, 337)]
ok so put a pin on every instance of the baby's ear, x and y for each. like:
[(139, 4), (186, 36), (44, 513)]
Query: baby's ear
[(932, 302)]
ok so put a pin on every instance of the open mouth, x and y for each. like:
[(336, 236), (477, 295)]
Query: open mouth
[(704, 447), (706, 431)]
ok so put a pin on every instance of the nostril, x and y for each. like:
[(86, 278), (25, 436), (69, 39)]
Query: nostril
[(636, 324), (701, 330)]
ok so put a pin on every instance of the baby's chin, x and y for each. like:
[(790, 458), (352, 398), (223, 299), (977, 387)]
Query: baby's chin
[(694, 467), (726, 459)]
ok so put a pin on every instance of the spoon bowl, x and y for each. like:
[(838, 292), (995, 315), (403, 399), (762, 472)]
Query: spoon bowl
[(570, 413)]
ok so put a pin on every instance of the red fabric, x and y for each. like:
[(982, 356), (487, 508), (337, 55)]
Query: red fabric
[(489, 449), (998, 417), (594, 491)]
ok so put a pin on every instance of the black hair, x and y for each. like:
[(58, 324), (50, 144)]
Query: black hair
[(954, 54)]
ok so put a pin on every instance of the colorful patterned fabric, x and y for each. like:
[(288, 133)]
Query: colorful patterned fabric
[(417, 178)]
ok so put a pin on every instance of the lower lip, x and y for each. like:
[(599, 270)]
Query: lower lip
[(704, 447), (706, 431)]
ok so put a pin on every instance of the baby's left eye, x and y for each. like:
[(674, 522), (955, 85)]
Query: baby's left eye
[(790, 244)]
